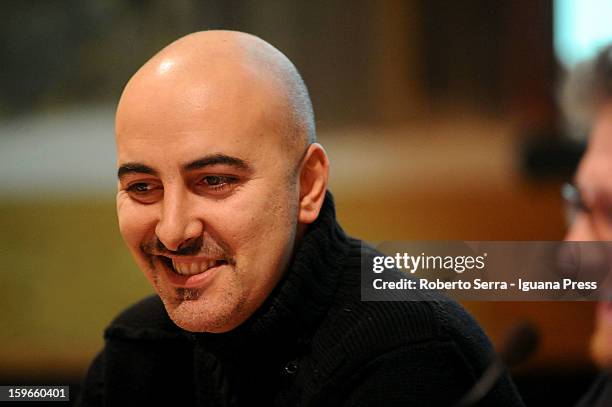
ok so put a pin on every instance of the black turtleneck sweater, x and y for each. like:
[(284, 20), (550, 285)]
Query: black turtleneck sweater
[(312, 343)]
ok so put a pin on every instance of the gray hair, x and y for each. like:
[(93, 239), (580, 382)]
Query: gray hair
[(584, 89), (302, 106)]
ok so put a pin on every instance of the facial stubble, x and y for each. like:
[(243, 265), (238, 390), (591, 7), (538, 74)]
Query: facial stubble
[(193, 310)]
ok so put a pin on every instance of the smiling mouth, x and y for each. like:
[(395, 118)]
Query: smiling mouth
[(191, 268)]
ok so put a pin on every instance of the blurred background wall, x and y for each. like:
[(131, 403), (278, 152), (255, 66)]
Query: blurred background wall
[(439, 117)]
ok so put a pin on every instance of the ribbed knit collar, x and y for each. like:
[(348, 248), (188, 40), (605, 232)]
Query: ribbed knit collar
[(304, 294)]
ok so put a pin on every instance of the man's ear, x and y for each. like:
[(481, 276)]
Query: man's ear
[(313, 183)]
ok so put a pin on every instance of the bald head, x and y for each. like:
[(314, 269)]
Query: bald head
[(216, 70)]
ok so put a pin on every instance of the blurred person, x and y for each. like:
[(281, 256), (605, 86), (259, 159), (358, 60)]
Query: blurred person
[(587, 101), (222, 200)]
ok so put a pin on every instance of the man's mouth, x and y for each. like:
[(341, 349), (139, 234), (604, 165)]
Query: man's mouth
[(190, 267), (191, 272)]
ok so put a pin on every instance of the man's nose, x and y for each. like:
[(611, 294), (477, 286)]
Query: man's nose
[(178, 222), (581, 229)]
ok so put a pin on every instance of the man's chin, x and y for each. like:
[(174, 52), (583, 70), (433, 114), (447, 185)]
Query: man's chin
[(199, 315)]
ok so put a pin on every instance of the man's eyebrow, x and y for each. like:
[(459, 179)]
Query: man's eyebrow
[(129, 168), (217, 159)]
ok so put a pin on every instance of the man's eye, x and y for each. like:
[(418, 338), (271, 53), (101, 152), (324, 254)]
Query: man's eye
[(145, 192), (139, 188), (213, 180), (217, 182)]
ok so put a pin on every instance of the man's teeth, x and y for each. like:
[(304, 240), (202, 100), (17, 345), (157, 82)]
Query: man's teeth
[(193, 267)]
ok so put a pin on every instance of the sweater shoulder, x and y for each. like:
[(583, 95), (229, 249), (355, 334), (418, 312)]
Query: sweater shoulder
[(418, 314), (397, 323), (376, 327), (146, 319)]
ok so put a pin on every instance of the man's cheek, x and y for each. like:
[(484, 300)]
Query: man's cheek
[(131, 227)]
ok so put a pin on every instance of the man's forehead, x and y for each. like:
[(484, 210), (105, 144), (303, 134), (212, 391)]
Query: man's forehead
[(181, 102), (208, 116), (227, 105), (182, 148), (126, 168)]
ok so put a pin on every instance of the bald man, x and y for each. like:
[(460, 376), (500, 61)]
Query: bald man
[(222, 200)]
